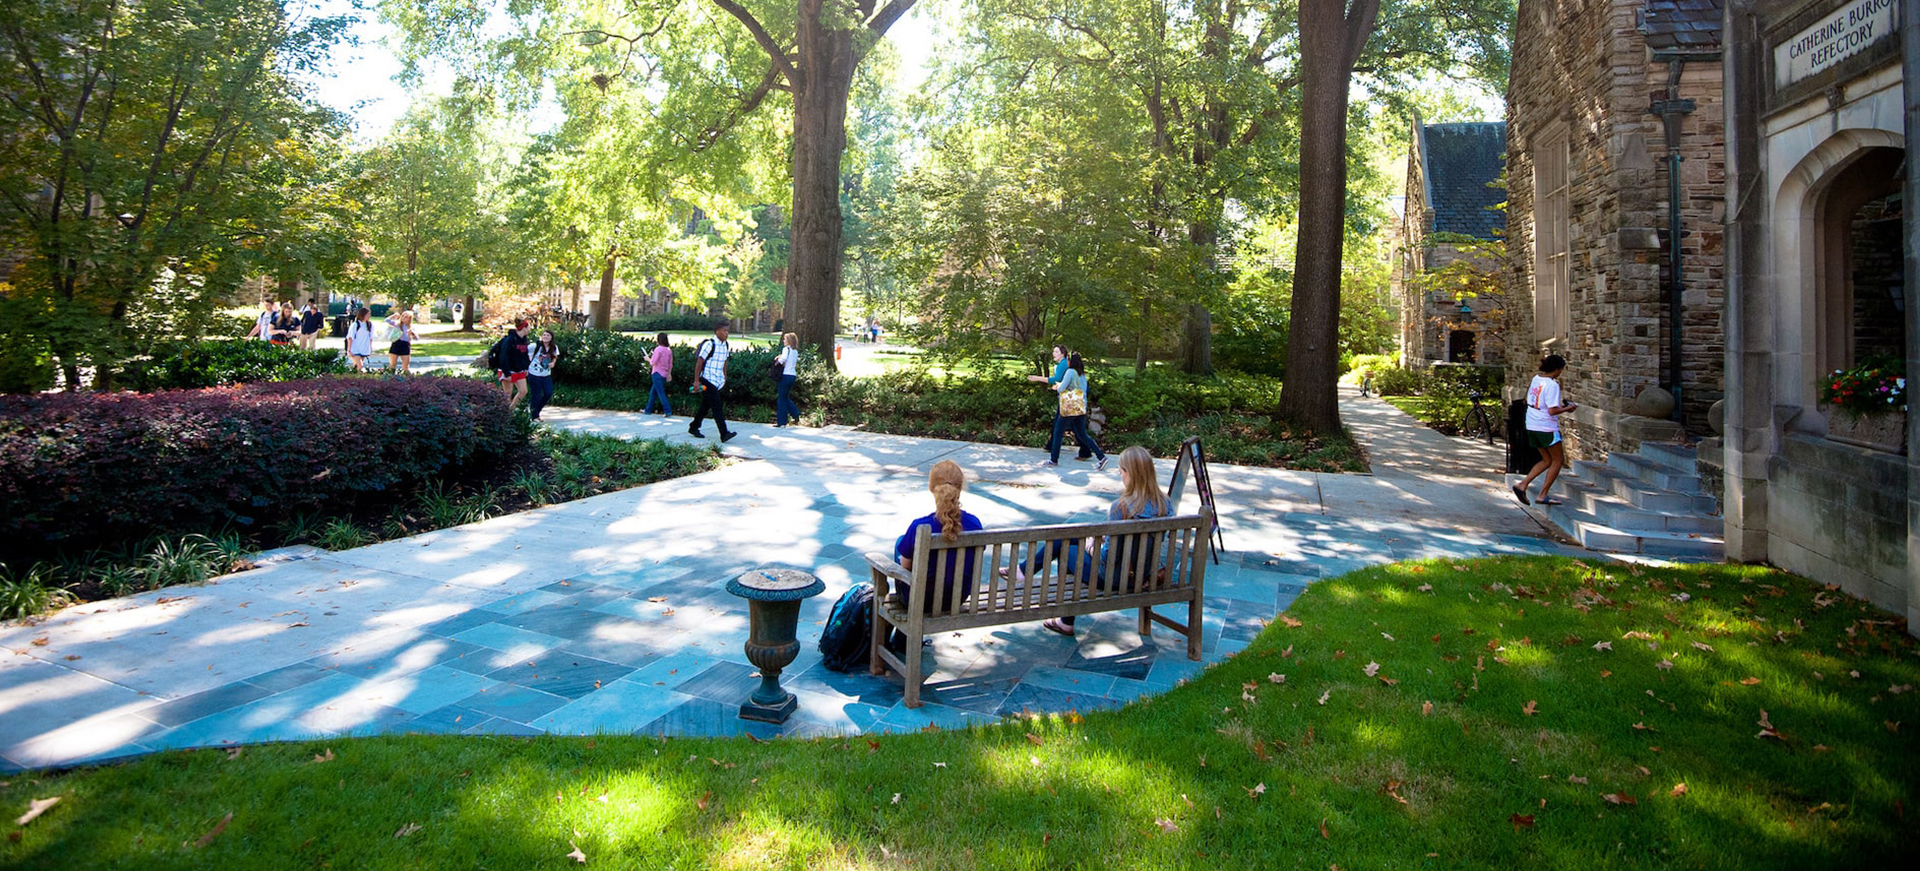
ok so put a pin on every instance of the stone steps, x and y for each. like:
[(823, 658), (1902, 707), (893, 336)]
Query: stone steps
[(1650, 502)]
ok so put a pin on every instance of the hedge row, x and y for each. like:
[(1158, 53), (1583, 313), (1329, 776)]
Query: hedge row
[(82, 469), (679, 323), (597, 358), (219, 362)]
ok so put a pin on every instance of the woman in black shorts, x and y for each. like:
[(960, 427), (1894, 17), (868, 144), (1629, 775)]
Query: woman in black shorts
[(400, 353)]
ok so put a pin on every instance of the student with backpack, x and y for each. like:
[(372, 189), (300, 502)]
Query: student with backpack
[(710, 382), (511, 358), (360, 339)]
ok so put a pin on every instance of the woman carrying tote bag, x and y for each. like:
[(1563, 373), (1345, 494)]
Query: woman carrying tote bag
[(1073, 410)]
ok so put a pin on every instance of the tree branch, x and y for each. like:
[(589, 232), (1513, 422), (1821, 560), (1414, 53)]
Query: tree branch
[(760, 35), (769, 82), (888, 15), (1361, 18)]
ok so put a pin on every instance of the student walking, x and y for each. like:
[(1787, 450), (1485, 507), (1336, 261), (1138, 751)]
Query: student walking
[(710, 382), (1072, 388), (540, 373), (662, 361), (400, 352), (286, 325), (788, 361), (1059, 423), (510, 361), (312, 318), (1544, 408), (360, 339), (263, 322)]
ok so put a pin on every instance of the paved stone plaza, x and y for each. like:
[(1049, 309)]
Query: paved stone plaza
[(608, 615)]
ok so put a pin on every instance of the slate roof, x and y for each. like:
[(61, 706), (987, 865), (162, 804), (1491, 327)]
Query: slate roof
[(1681, 25), (1457, 161)]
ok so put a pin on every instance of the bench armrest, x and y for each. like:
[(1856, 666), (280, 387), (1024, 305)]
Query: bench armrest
[(884, 564)]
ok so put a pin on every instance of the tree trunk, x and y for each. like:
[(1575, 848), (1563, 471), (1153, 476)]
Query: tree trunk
[(575, 307), (812, 308), (466, 316), (603, 313), (1330, 41)]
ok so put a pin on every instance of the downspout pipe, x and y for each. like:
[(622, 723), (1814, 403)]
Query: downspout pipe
[(1671, 110)]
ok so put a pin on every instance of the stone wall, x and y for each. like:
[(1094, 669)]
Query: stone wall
[(1581, 68), (1838, 514)]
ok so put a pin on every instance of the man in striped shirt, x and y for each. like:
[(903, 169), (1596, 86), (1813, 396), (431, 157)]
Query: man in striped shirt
[(710, 368)]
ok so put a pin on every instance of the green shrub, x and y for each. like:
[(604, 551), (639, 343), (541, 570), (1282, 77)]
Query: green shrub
[(30, 593), (599, 358), (1398, 381), (86, 469), (190, 560), (219, 362), (680, 323)]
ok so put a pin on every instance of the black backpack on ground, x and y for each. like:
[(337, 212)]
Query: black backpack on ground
[(843, 643)]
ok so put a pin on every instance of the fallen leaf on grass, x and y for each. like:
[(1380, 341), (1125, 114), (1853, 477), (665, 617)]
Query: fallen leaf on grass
[(324, 757), (1167, 825), (576, 855), (1426, 709), (896, 798), (1679, 789), (1392, 789), (1323, 829), (1750, 681), (1619, 798), (233, 753), (1892, 726), (1287, 652), (1289, 622), (704, 800), (1521, 821), (1766, 728), (1529, 709), (1274, 677), (406, 830), (1605, 673), (218, 827), (1425, 588), (1256, 790), (1324, 696), (1372, 669), (1821, 748), (939, 764), (1698, 646), (1664, 664), (1033, 739), (35, 808), (1575, 778), (1603, 645)]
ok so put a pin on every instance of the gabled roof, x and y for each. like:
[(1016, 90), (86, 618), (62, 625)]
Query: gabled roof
[(1458, 161), (1681, 25)]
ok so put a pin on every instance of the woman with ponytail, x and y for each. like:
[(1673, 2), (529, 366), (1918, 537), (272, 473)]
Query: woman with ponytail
[(945, 481), (1140, 498)]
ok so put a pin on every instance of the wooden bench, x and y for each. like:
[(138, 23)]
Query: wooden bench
[(1149, 562)]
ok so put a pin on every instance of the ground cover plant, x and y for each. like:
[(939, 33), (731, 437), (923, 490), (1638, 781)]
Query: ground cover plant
[(1510, 713), (1157, 409)]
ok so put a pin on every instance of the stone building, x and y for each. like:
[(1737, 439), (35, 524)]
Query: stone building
[(1605, 98), (1452, 215), (1819, 244), (1739, 173)]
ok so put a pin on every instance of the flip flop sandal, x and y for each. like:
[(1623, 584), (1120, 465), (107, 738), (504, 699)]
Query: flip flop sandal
[(1520, 494), (1551, 502)]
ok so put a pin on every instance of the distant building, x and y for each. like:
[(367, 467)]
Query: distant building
[(1451, 215)]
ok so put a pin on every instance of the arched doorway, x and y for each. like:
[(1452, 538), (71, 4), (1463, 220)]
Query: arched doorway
[(1860, 262)]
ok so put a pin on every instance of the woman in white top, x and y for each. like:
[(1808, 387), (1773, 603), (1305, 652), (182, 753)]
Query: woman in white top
[(400, 353), (789, 361), (1544, 408), (360, 338)]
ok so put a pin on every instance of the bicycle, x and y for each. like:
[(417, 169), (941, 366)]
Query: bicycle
[(1479, 421)]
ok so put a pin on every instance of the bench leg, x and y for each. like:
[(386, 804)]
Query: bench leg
[(1193, 629), (875, 665), (1146, 622), (915, 668)]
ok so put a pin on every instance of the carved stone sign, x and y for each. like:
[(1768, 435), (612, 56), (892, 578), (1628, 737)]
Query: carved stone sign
[(1827, 42)]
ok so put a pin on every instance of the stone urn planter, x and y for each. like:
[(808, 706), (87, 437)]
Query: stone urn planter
[(773, 610), (1885, 431)]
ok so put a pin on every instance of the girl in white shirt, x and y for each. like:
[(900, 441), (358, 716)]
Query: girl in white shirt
[(1544, 408), (789, 360), (360, 339)]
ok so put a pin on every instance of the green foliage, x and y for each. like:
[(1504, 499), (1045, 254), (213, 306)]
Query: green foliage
[(685, 322), (341, 534), (30, 593), (159, 153), (188, 560), (217, 363), (599, 358)]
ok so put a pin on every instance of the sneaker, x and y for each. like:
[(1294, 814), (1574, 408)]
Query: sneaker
[(728, 436), (1100, 466), (1051, 464)]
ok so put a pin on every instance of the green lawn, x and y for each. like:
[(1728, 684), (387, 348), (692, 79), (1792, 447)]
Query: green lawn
[(1420, 715)]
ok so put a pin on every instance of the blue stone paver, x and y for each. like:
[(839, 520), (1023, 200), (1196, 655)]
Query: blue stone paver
[(608, 615)]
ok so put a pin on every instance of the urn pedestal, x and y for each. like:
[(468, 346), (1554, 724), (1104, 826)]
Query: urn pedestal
[(773, 608)]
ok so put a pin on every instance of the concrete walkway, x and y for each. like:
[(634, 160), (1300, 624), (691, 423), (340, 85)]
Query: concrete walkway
[(608, 614)]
